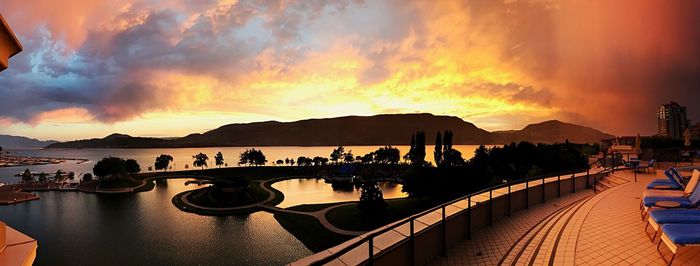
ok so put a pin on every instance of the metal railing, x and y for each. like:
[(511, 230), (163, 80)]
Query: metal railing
[(369, 238)]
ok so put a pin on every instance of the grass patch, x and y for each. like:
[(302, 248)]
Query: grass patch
[(279, 196), (350, 217), (309, 231), (313, 207), (254, 194)]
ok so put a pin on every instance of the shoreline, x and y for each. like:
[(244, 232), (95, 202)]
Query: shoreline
[(19, 161)]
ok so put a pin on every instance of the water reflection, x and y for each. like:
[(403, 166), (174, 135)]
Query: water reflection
[(313, 191), (145, 228)]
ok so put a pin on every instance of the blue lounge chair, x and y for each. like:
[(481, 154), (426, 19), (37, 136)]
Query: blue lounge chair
[(671, 216), (675, 193), (683, 202), (675, 181), (677, 236)]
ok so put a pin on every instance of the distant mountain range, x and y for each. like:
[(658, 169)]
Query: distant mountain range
[(393, 129), (15, 142)]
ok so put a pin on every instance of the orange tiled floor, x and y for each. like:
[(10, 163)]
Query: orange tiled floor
[(605, 230)]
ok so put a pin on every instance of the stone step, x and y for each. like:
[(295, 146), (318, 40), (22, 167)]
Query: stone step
[(547, 244), (532, 244)]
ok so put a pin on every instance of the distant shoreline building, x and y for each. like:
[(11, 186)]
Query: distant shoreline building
[(673, 120)]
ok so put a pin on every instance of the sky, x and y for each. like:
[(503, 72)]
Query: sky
[(166, 68)]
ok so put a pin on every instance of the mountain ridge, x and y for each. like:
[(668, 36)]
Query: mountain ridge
[(19, 142), (384, 129)]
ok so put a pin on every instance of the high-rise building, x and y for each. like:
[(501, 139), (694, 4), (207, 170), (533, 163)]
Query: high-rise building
[(673, 120)]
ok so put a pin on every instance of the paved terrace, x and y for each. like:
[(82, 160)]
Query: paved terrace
[(576, 229)]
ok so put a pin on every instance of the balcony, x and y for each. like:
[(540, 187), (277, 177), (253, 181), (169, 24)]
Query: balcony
[(561, 222)]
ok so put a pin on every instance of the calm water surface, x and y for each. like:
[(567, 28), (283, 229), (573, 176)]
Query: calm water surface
[(75, 228), (313, 191)]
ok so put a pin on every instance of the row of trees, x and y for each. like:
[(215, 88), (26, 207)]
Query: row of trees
[(28, 177), (456, 176)]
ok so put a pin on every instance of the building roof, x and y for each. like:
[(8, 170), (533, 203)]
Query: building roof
[(9, 44)]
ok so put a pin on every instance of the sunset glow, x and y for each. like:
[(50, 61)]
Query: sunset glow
[(170, 68)]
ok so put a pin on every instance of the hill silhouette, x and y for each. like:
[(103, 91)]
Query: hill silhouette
[(391, 129)]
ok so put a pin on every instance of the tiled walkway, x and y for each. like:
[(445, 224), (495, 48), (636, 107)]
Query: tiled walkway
[(489, 245), (613, 232), (578, 229)]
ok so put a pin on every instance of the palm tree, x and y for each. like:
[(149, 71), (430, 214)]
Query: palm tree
[(219, 159), (200, 160)]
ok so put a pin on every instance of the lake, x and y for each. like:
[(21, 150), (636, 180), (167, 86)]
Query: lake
[(75, 228)]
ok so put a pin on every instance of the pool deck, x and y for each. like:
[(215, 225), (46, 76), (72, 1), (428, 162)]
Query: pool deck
[(578, 229)]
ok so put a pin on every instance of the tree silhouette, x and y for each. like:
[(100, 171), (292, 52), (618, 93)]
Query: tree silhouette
[(371, 198), (337, 154), (132, 166), (219, 159), (163, 161), (318, 160), (416, 154), (110, 168), (348, 157), (253, 157), (27, 176), (200, 160), (42, 177), (437, 154), (279, 162)]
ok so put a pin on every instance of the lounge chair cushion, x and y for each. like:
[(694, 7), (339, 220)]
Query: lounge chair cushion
[(651, 201), (682, 234), (676, 216), (663, 182), (663, 193), (693, 182)]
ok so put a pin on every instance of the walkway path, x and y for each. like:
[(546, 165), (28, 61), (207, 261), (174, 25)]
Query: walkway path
[(320, 215), (266, 206)]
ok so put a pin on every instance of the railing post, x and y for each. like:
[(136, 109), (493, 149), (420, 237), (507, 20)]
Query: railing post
[(490, 207), (412, 259), (558, 186), (469, 217), (588, 178), (509, 199), (444, 233), (543, 195), (371, 251), (573, 183), (527, 193), (595, 184)]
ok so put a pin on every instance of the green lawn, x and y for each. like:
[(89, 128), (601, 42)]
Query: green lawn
[(313, 207), (309, 231), (350, 217), (254, 194)]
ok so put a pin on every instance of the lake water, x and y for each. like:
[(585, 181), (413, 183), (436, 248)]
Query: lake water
[(314, 191), (75, 228)]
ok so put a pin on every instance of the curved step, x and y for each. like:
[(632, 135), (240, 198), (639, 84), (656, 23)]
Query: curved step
[(529, 244)]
